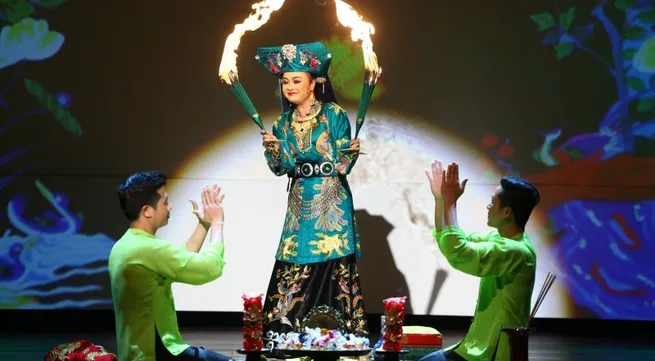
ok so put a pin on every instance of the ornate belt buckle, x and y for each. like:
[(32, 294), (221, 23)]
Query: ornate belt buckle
[(326, 168), (306, 170)]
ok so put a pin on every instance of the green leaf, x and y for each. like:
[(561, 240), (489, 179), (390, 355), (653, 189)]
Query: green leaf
[(564, 50), (646, 104), (50, 102), (544, 21), (628, 54), (566, 19), (623, 5), (647, 16), (634, 33), (635, 83), (17, 10)]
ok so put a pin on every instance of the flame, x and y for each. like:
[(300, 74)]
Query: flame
[(227, 70), (361, 30)]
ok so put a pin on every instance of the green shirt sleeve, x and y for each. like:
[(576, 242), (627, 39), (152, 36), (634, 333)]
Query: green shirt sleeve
[(177, 264), (480, 255)]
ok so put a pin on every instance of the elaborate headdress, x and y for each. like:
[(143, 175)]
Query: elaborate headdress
[(313, 58)]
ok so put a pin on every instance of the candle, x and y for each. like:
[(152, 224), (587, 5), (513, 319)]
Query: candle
[(253, 318), (394, 314)]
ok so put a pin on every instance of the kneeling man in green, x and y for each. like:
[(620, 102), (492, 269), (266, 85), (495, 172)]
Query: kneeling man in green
[(504, 260), (142, 268)]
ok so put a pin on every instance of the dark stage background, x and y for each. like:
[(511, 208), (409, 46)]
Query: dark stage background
[(559, 92)]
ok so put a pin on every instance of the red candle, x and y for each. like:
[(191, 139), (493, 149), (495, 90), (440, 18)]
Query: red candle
[(253, 318), (394, 313)]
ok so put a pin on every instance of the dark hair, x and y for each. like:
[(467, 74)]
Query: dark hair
[(519, 195), (140, 190), (323, 93)]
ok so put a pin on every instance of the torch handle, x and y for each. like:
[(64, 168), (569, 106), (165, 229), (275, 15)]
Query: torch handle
[(258, 121), (239, 92), (365, 98), (358, 125)]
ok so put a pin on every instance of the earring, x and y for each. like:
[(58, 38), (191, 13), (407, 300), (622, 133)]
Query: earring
[(312, 98), (321, 80)]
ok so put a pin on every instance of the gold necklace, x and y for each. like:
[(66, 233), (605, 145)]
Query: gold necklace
[(303, 127)]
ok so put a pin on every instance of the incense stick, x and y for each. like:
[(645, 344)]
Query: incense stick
[(550, 278)]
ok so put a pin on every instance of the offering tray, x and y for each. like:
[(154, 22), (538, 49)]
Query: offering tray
[(253, 355), (325, 355), (389, 355)]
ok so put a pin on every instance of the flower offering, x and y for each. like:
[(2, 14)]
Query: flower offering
[(321, 339)]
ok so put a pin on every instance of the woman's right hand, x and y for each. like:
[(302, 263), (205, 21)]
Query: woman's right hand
[(270, 142)]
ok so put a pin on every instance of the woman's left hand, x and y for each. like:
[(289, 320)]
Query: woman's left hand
[(354, 145)]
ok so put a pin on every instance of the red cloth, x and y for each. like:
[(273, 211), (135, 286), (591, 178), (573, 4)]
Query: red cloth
[(79, 350)]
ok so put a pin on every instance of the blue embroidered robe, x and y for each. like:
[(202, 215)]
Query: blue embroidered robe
[(319, 223)]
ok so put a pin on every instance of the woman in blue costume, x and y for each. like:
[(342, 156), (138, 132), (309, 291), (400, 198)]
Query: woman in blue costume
[(315, 281)]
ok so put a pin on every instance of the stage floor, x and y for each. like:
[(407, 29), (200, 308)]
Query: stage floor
[(33, 347)]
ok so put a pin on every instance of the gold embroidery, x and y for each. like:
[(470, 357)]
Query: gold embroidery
[(293, 149), (288, 158), (289, 284), (285, 129), (326, 245), (61, 352), (92, 355), (276, 124), (332, 219), (341, 142), (353, 301), (324, 146), (291, 222), (336, 108), (313, 112), (288, 248), (319, 204), (276, 153), (302, 131)]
